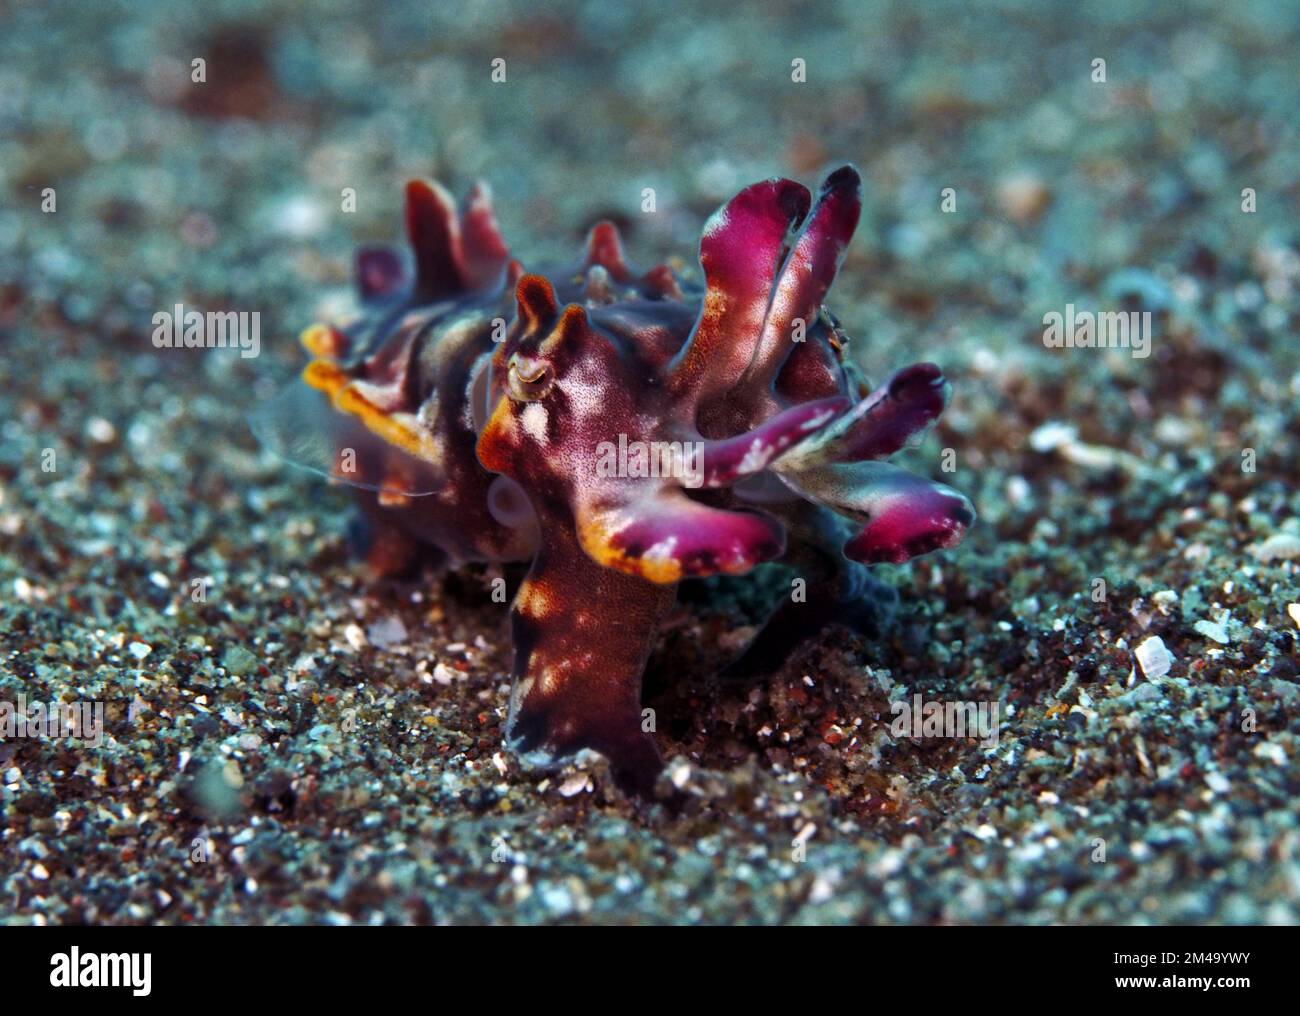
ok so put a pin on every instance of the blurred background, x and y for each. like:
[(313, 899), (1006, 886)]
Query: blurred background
[(1122, 191)]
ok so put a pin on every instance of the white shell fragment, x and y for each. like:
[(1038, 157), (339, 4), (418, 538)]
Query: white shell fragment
[(1154, 659)]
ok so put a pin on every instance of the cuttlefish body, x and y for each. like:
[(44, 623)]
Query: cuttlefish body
[(623, 431)]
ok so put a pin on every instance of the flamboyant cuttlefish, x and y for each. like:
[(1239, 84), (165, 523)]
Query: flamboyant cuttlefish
[(623, 431)]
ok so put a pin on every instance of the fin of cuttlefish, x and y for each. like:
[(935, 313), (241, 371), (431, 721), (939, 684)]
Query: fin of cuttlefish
[(302, 428)]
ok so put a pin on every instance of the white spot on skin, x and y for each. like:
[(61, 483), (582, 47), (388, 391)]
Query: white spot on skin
[(717, 222), (533, 601), (534, 420), (813, 423), (661, 551), (585, 388), (755, 458), (614, 520), (786, 301), (552, 676)]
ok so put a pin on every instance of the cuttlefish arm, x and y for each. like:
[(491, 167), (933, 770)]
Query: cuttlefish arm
[(582, 635)]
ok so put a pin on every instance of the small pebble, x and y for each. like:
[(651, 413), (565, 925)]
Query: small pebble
[(387, 633), (1217, 782), (1154, 659), (355, 637), (1023, 196), (575, 784), (1213, 630), (1278, 547), (239, 661), (100, 430), (444, 674)]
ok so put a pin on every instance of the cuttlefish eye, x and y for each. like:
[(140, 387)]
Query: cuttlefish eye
[(528, 379)]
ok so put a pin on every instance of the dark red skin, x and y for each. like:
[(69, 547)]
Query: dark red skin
[(483, 403)]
